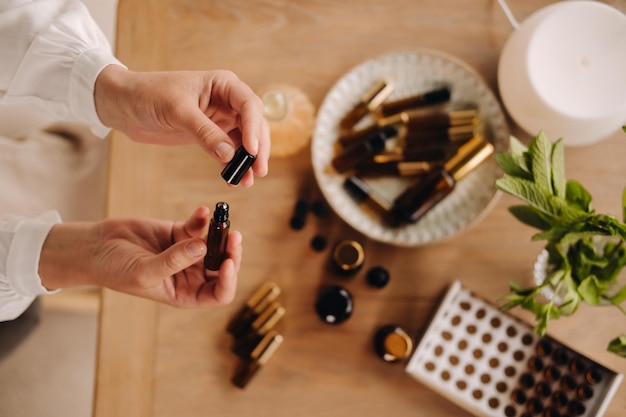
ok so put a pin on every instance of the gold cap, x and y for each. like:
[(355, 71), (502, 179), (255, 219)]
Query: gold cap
[(468, 156), (348, 255), (410, 168), (268, 318), (463, 117), (378, 93), (266, 347), (262, 297), (392, 343)]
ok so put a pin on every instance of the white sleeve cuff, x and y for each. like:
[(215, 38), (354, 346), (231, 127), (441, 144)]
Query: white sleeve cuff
[(23, 260), (81, 99)]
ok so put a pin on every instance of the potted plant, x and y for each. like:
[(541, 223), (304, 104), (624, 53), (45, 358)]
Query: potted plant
[(585, 251)]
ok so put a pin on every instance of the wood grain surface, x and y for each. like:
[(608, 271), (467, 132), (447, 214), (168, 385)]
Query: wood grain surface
[(159, 361)]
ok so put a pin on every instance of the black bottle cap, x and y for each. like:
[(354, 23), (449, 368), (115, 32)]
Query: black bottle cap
[(318, 243), (297, 222), (320, 209), (221, 212), (438, 95), (376, 143), (356, 188), (334, 305), (377, 277), (389, 131), (234, 171), (301, 208)]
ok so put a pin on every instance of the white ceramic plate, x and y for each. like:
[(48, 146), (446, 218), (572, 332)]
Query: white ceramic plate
[(411, 72)]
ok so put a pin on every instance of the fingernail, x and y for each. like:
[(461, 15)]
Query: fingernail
[(224, 151), (196, 249)]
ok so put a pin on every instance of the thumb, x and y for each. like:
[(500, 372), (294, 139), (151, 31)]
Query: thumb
[(211, 138), (177, 257)]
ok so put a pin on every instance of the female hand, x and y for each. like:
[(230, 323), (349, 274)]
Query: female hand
[(214, 109), (153, 259)]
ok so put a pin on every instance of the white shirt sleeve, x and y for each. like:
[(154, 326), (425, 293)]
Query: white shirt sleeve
[(21, 241), (52, 52)]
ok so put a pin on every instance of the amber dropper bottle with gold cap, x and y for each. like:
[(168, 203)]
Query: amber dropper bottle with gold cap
[(426, 192), (369, 102), (217, 237)]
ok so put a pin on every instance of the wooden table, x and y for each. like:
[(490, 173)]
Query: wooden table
[(158, 361)]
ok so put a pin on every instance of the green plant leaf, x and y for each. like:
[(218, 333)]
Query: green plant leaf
[(590, 290), (571, 298), (615, 255), (558, 169), (544, 313), (514, 165), (619, 296), (561, 210), (516, 147), (606, 225), (618, 345), (540, 149), (528, 192), (624, 205), (578, 196), (548, 204), (531, 217)]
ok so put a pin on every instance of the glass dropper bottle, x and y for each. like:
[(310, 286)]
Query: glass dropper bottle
[(426, 192), (217, 237)]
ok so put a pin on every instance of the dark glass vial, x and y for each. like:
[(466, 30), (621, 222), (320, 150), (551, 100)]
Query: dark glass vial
[(421, 196), (361, 151), (217, 237), (418, 199)]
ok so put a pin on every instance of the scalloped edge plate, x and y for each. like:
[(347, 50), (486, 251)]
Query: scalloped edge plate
[(411, 72)]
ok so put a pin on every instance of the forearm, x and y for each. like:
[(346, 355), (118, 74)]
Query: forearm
[(66, 256), (113, 95)]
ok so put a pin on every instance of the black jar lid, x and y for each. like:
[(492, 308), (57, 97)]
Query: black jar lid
[(392, 343), (334, 305)]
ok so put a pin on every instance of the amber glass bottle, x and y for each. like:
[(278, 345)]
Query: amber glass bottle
[(426, 192), (217, 237)]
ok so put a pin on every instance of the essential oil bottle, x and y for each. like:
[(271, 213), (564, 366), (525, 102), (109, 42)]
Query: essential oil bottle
[(217, 237), (426, 192)]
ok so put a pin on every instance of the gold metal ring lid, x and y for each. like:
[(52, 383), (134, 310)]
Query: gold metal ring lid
[(348, 256), (392, 343)]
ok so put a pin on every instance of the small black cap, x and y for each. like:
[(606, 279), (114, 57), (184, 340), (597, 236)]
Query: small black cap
[(334, 305), (320, 209), (297, 222), (377, 277), (389, 131), (438, 95), (234, 171), (301, 208), (318, 243), (376, 143), (356, 188)]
